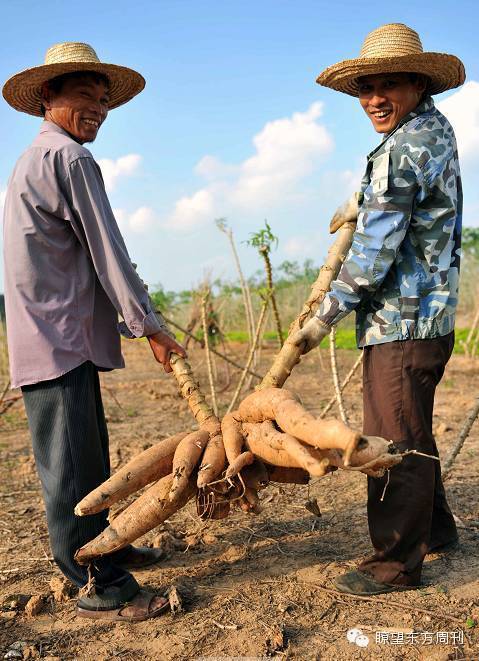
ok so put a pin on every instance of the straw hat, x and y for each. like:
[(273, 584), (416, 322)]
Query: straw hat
[(23, 91), (390, 49)]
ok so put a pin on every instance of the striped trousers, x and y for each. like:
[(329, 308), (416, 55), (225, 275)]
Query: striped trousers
[(70, 446)]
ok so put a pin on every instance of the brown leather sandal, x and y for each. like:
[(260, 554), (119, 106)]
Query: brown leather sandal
[(138, 609)]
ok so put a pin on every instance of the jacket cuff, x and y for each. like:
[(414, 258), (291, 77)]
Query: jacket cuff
[(324, 322), (152, 323)]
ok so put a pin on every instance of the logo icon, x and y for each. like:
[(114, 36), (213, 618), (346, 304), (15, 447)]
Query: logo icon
[(358, 637)]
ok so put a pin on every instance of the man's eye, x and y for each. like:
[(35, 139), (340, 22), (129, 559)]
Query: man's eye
[(365, 88), (390, 83)]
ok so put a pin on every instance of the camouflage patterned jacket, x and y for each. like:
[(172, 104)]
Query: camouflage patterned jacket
[(402, 272)]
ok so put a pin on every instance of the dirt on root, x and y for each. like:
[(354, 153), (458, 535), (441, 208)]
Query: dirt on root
[(253, 586)]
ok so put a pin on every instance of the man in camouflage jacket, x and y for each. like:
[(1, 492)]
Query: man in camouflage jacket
[(401, 277)]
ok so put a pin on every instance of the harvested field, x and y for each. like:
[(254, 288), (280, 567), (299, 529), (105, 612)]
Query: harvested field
[(252, 585)]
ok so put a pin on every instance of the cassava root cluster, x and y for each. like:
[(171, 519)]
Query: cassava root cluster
[(269, 438)]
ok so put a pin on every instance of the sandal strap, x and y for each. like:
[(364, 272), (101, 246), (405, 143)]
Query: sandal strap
[(112, 596), (143, 602)]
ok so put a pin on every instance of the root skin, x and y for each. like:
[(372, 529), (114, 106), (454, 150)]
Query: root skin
[(257, 442), (145, 513), (244, 459), (281, 405), (214, 457), (186, 457), (149, 466), (233, 438)]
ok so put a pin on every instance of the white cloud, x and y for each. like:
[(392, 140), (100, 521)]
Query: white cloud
[(3, 194), (140, 221), (211, 168), (191, 212), (462, 110), (286, 151), (113, 170)]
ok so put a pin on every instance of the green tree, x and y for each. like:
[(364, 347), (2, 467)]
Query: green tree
[(470, 243)]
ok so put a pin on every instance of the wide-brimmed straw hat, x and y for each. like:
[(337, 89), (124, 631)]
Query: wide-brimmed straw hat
[(394, 48), (23, 91)]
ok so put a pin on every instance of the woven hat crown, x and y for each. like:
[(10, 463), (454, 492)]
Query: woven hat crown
[(394, 48), (391, 40), (71, 51)]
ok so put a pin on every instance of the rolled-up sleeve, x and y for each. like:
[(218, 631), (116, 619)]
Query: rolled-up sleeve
[(95, 226), (383, 220)]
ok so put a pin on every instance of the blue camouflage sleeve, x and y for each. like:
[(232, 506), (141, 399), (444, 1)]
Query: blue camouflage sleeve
[(383, 219)]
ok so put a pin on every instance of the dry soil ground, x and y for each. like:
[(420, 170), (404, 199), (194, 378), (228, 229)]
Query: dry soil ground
[(253, 586)]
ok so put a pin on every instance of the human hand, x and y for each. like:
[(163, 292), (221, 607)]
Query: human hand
[(310, 335), (347, 212), (163, 345)]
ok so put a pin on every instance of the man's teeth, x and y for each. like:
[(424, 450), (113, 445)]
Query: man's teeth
[(381, 114), (92, 122)]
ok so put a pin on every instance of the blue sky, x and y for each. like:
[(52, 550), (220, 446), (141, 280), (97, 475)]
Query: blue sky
[(231, 122)]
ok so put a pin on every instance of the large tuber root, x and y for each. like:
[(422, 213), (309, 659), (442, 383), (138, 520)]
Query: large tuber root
[(281, 406), (214, 457), (145, 513), (372, 455), (186, 457), (149, 466), (233, 437)]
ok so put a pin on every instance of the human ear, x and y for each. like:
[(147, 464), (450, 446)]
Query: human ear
[(421, 84), (45, 95)]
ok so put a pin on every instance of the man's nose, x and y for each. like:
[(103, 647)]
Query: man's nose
[(97, 107), (377, 98)]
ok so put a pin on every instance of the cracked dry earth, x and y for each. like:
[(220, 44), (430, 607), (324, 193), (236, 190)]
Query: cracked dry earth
[(252, 586)]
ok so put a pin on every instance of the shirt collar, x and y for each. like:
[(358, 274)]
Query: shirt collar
[(51, 127), (425, 105)]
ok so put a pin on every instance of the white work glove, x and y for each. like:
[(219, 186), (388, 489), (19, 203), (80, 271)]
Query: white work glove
[(346, 213), (310, 335)]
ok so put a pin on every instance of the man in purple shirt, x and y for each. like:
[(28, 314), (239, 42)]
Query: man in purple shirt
[(68, 276)]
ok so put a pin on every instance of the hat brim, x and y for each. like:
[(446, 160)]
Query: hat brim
[(23, 91), (444, 71)]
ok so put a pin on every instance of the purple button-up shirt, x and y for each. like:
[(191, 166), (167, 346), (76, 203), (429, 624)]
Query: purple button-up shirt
[(67, 270)]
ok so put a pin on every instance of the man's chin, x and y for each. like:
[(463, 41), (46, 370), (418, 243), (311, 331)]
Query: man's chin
[(84, 138), (384, 128)]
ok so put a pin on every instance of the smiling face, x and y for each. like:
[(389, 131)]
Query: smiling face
[(387, 98), (79, 105)]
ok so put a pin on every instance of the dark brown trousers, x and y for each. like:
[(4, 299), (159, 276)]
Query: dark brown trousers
[(399, 382)]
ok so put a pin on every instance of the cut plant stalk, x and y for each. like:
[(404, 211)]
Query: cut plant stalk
[(204, 300), (254, 346), (262, 241), (344, 385), (334, 372), (221, 224), (264, 251), (465, 431)]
